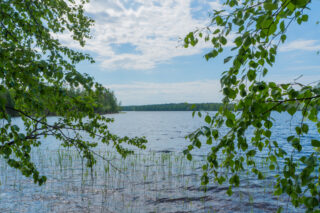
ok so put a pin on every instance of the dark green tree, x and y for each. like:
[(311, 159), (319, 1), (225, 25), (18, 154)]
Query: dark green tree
[(38, 68), (258, 28)]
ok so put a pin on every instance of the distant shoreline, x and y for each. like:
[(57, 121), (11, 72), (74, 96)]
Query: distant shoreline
[(174, 107)]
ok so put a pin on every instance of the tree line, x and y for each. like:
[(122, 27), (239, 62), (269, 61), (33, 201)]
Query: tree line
[(175, 107), (106, 102)]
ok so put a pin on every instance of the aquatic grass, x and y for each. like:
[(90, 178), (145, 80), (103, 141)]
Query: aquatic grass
[(146, 180)]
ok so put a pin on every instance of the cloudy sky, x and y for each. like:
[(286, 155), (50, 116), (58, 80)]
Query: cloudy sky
[(138, 54)]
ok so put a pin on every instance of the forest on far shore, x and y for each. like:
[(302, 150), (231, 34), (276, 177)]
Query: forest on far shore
[(106, 102), (175, 107)]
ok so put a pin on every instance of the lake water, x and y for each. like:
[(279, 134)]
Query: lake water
[(158, 179)]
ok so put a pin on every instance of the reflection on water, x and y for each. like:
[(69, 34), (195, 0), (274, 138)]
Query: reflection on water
[(159, 179)]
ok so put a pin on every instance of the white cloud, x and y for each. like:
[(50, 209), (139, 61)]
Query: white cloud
[(306, 45), (153, 27), (139, 93), (216, 5)]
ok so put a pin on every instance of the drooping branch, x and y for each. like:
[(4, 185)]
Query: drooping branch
[(294, 99)]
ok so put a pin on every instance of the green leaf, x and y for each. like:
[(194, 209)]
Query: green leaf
[(215, 133), (209, 141), (270, 6), (198, 144), (251, 153), (283, 38), (229, 191), (290, 138), (267, 133), (305, 128), (238, 41), (282, 26), (223, 40), (229, 123), (304, 18), (292, 110), (265, 71), (268, 124), (279, 210), (189, 156), (204, 167), (208, 119), (7, 151), (251, 75), (212, 54), (247, 43), (298, 130), (299, 3), (226, 60), (219, 20), (3, 101), (315, 143), (216, 31), (272, 167)]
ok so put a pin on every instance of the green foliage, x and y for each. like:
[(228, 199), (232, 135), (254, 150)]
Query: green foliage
[(36, 68), (6, 98), (258, 28), (106, 102)]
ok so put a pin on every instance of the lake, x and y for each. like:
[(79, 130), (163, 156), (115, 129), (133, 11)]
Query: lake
[(158, 179)]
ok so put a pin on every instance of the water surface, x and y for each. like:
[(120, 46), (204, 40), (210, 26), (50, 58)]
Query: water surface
[(158, 179)]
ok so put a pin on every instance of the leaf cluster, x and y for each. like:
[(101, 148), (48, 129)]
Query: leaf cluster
[(254, 30), (37, 68)]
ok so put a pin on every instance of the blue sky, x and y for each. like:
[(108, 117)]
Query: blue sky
[(138, 54)]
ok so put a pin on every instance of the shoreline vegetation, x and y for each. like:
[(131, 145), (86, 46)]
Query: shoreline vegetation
[(161, 182), (106, 103), (185, 107), (175, 107)]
